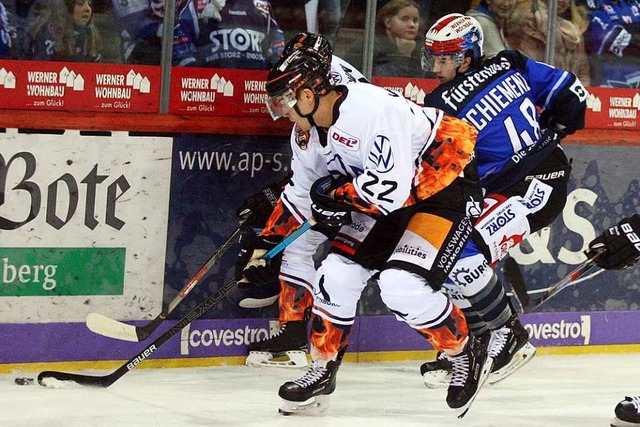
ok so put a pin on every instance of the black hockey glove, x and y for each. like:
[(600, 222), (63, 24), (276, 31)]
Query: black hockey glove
[(257, 208), (619, 246), (326, 211), (251, 269), (547, 121)]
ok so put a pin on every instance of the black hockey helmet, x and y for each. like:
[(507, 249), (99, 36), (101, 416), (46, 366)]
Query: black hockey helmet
[(310, 41), (298, 70)]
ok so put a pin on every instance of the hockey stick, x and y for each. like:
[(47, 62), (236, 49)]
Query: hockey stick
[(570, 279), (514, 277), (111, 328), (49, 378)]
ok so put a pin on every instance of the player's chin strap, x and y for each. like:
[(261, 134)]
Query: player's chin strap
[(316, 104)]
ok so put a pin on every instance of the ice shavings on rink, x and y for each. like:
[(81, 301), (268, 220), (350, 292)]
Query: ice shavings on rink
[(565, 391)]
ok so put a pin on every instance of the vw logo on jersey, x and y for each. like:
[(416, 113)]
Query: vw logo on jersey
[(381, 154)]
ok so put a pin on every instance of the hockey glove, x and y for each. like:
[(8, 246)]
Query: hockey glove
[(257, 208), (547, 121), (619, 246), (251, 269), (326, 211)]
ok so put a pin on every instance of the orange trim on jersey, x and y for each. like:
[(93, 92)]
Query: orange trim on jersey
[(432, 228), (344, 248), (452, 150), (281, 222)]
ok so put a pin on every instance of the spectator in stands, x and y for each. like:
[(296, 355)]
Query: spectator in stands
[(528, 33), (398, 46), (49, 31), (86, 40), (613, 42), (492, 16), (7, 34), (141, 27), (60, 30), (243, 34), (325, 17)]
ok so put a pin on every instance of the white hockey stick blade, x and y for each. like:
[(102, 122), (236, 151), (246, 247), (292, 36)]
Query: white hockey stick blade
[(103, 325), (291, 359)]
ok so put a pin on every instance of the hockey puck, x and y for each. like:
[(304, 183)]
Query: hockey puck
[(25, 381)]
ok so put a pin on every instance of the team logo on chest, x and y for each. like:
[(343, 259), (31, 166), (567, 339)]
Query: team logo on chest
[(381, 154)]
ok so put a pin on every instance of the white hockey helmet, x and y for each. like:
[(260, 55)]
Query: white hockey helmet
[(453, 35)]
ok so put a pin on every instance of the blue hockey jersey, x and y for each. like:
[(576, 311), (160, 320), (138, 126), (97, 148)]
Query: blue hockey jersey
[(502, 99), (247, 37)]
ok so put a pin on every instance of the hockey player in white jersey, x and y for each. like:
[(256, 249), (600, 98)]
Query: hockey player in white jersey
[(500, 96), (296, 271), (400, 179)]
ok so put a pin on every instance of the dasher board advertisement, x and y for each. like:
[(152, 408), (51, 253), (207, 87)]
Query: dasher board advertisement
[(83, 226), (74, 86)]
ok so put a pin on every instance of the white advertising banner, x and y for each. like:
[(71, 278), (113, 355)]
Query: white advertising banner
[(83, 225)]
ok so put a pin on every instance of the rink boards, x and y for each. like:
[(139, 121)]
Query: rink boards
[(129, 220)]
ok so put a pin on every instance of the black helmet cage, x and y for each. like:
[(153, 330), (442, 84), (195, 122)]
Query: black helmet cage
[(316, 43), (300, 69)]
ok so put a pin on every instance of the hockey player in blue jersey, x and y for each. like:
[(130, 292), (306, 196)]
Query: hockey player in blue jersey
[(523, 170)]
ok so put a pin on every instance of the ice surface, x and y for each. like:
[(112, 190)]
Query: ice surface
[(574, 390)]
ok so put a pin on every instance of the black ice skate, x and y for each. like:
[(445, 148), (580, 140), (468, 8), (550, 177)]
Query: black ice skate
[(437, 373), (470, 370), (285, 349), (627, 413), (310, 393), (510, 350)]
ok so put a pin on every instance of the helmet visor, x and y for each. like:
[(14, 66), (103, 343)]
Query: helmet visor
[(280, 105), (441, 62)]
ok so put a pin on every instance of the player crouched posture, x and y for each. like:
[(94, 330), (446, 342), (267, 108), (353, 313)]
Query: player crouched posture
[(522, 168), (400, 180), (619, 248)]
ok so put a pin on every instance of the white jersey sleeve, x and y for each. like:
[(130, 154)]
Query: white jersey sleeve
[(345, 73)]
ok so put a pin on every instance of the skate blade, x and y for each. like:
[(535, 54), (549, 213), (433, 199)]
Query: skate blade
[(315, 406), (290, 359), (437, 379), (617, 422), (486, 369), (521, 358)]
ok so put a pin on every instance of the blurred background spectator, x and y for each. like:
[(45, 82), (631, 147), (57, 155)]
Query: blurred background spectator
[(613, 42), (492, 16), (60, 30), (325, 17), (243, 35), (7, 34), (527, 32), (398, 44)]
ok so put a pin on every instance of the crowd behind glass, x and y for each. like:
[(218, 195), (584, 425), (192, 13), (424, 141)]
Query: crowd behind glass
[(596, 39)]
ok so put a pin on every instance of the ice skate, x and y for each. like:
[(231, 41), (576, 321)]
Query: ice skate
[(470, 370), (510, 350), (309, 394), (286, 349), (437, 373), (627, 413)]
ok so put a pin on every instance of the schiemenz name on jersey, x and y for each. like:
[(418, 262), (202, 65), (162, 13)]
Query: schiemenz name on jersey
[(494, 101)]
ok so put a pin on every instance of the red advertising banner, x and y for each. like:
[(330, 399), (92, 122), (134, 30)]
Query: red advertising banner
[(79, 86), (411, 88), (613, 108), (218, 92)]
